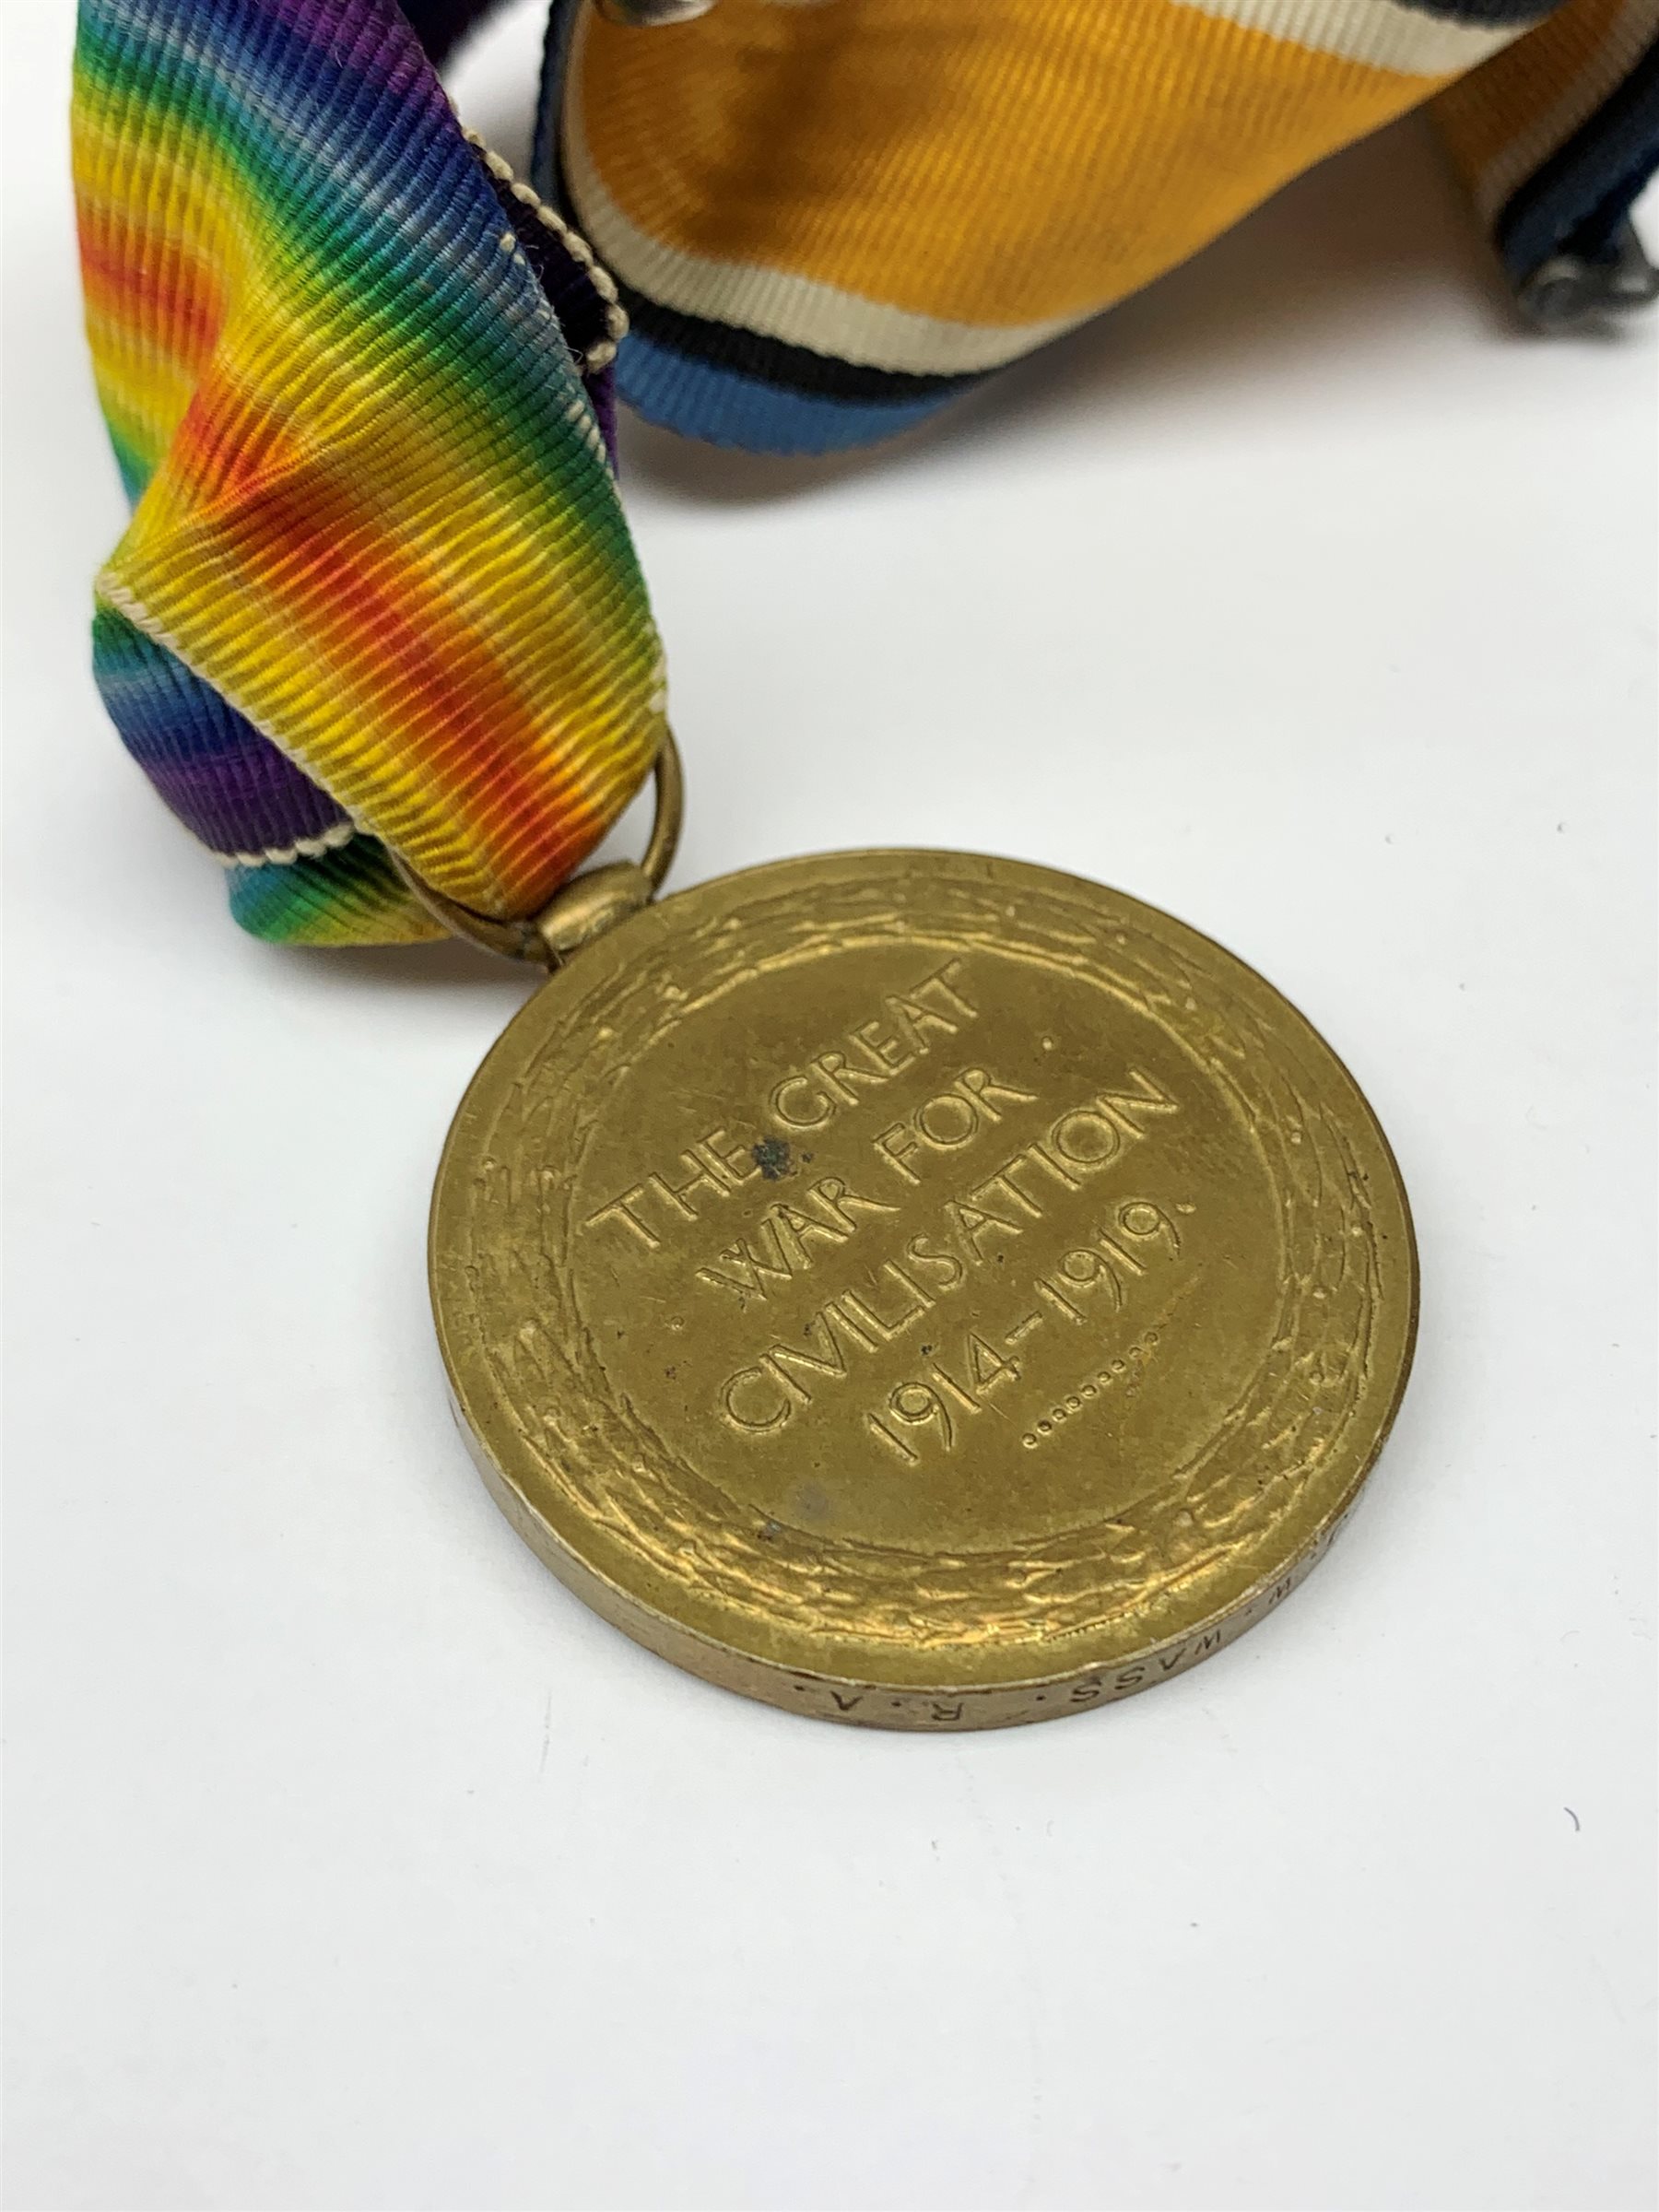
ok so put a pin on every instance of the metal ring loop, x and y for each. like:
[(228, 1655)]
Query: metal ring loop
[(670, 815), (524, 939)]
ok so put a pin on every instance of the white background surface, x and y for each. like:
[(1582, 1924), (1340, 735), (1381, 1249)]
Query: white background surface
[(353, 1865)]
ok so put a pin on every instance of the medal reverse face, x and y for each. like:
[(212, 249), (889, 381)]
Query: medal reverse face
[(921, 1291)]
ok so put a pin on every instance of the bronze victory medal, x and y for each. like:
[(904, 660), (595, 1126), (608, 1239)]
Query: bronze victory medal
[(921, 1291)]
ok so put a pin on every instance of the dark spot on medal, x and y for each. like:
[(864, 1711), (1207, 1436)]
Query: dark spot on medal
[(772, 1157)]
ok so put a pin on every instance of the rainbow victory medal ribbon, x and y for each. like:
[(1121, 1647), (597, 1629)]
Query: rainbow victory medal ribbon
[(377, 590), (378, 596)]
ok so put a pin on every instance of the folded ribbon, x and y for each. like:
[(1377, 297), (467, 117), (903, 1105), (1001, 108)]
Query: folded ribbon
[(377, 590), (829, 217)]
